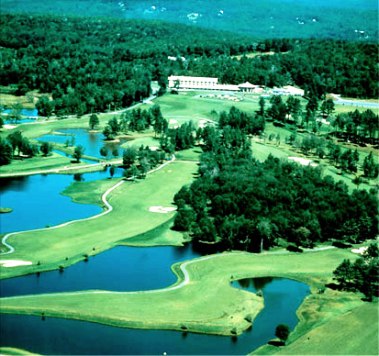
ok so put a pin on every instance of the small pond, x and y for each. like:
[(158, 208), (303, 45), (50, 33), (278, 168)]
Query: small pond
[(28, 115), (36, 200), (91, 141)]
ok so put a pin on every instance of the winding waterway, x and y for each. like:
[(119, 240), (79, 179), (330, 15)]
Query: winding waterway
[(59, 336)]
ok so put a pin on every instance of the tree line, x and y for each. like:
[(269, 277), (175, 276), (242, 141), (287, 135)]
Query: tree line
[(87, 65), (240, 203), (362, 275), (317, 66)]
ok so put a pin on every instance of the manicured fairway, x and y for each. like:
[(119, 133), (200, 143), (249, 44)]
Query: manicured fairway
[(35, 164), (202, 300), (194, 106), (130, 216)]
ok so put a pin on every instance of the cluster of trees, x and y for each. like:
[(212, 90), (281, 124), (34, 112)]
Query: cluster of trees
[(137, 163), (357, 127), (361, 275), (91, 64), (317, 66), (135, 120), (347, 160), (180, 138), (16, 145), (240, 203)]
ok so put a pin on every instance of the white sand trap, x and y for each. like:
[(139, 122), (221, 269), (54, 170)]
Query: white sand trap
[(161, 209), (174, 123), (205, 122), (9, 127), (359, 251), (14, 263), (303, 161), (154, 148)]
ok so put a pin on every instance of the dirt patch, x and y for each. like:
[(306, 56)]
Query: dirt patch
[(161, 209)]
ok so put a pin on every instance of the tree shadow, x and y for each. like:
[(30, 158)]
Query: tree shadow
[(276, 343)]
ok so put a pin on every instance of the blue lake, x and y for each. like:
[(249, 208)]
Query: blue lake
[(36, 201), (91, 141)]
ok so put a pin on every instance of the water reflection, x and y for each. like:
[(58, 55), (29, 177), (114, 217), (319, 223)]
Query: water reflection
[(91, 141)]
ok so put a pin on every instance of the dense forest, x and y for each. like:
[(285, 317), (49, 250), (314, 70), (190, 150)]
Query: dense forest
[(317, 66), (333, 19), (240, 203), (96, 64)]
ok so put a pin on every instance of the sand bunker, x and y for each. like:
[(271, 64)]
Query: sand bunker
[(359, 251), (14, 263), (303, 161), (173, 123), (161, 209), (206, 122)]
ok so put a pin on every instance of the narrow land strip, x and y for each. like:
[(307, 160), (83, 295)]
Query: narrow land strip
[(202, 300)]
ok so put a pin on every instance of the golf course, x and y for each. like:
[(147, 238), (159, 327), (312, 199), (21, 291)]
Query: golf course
[(140, 213)]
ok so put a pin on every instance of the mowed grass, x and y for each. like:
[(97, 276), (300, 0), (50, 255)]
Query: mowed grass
[(14, 351), (206, 304), (36, 163), (50, 248), (197, 105)]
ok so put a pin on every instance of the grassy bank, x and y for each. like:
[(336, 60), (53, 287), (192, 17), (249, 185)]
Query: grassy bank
[(14, 351), (347, 326), (53, 247), (202, 300), (29, 165)]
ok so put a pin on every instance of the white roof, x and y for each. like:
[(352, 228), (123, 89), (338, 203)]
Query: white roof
[(247, 85), (183, 77)]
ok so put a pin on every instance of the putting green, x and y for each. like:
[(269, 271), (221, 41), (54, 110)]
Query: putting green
[(53, 247)]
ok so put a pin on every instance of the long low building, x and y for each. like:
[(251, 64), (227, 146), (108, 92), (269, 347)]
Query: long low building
[(208, 83)]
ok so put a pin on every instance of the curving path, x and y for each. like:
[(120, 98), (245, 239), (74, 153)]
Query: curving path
[(104, 200)]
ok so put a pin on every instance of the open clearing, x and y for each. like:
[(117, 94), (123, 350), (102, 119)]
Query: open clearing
[(54, 247)]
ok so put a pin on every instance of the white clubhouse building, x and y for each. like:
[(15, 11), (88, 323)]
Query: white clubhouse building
[(207, 83)]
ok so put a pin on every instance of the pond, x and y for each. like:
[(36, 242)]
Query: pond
[(91, 141), (59, 336), (36, 200), (28, 115)]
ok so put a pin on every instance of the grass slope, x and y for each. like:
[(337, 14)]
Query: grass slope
[(14, 351), (352, 331), (36, 163), (130, 217)]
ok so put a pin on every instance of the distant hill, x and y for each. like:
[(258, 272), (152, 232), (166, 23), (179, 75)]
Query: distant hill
[(337, 19)]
